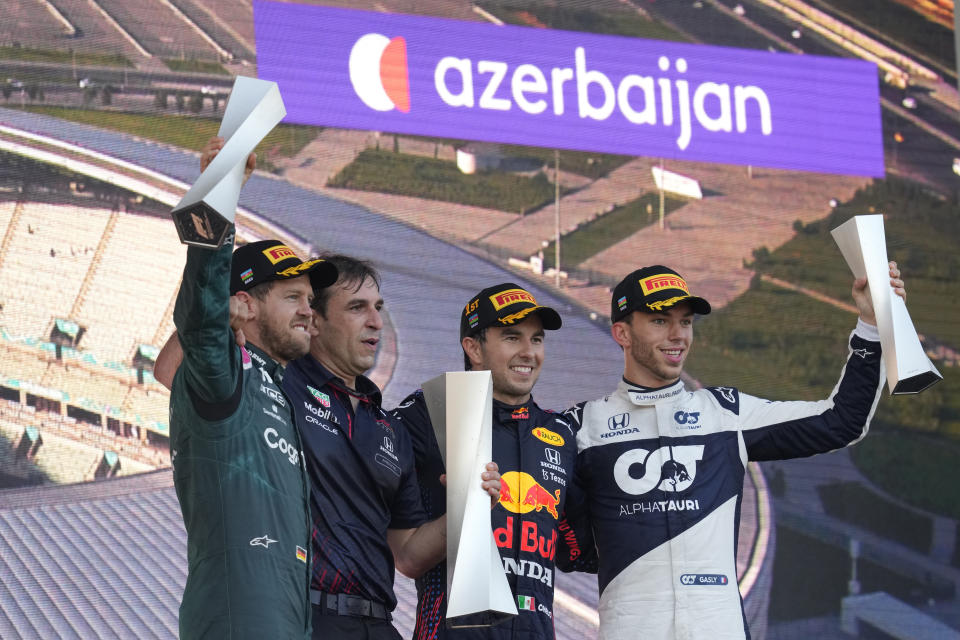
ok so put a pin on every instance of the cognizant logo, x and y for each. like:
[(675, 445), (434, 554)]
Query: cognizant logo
[(378, 71)]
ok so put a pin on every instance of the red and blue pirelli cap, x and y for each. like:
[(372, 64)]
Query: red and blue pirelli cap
[(653, 289), (503, 305), (267, 260)]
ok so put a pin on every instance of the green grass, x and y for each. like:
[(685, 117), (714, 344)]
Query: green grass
[(772, 343), (195, 66), (922, 236), (858, 505), (188, 133), (27, 54), (782, 345), (617, 22), (609, 229), (921, 469), (388, 172), (582, 163)]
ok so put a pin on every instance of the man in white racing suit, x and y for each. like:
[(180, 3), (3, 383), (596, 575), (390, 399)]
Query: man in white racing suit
[(663, 466)]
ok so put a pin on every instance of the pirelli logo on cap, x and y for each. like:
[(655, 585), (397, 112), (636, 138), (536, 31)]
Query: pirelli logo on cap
[(511, 296), (652, 284), (278, 252)]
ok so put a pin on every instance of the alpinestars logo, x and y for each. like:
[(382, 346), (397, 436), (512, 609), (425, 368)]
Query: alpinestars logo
[(262, 541), (378, 72)]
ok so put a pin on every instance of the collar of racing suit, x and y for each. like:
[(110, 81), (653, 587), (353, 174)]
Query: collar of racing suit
[(512, 413), (646, 396)]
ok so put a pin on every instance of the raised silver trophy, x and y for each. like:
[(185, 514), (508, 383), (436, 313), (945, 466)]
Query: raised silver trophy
[(206, 211), (864, 246), (461, 410)]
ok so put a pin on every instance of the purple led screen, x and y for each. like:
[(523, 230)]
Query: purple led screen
[(570, 90)]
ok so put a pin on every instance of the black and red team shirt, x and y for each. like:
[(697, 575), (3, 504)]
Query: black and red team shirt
[(362, 481), (536, 451)]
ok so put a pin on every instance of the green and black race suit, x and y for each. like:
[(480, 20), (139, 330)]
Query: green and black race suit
[(238, 471)]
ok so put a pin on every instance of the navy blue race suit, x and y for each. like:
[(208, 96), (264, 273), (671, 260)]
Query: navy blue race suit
[(535, 451)]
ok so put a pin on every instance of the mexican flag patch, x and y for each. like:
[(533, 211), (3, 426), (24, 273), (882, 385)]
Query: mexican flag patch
[(526, 602)]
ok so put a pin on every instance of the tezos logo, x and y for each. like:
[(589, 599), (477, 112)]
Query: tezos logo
[(667, 469), (378, 72)]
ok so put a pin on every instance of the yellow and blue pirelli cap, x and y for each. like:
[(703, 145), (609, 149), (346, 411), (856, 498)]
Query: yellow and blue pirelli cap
[(503, 305), (267, 260), (653, 289)]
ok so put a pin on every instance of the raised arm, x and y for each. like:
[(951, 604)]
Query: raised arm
[(780, 430)]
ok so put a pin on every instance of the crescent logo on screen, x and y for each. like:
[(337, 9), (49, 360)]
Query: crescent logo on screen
[(378, 72)]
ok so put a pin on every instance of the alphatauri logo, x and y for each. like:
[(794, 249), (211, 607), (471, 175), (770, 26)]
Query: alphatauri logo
[(378, 72), (670, 468)]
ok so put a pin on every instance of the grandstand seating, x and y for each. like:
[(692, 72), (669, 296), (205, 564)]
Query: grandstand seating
[(49, 254), (130, 287), (158, 29), (39, 29), (71, 451), (21, 365)]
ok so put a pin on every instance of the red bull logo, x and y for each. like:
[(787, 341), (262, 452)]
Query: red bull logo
[(511, 296), (656, 283), (520, 493), (530, 540), (279, 252)]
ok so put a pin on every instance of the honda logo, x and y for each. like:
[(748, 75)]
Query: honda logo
[(553, 456), (619, 421)]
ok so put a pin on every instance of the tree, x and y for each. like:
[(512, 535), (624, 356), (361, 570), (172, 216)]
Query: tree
[(196, 102)]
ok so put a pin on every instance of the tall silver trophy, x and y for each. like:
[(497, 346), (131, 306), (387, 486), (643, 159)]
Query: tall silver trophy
[(206, 211), (864, 246), (461, 410)]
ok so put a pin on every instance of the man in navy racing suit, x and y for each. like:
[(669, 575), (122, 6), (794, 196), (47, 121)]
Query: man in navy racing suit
[(663, 466), (502, 330)]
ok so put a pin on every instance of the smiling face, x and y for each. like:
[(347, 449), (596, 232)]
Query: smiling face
[(514, 356), (655, 345), (348, 332), (282, 319)]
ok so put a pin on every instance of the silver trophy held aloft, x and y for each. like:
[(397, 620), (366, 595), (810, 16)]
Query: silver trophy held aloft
[(205, 212), (864, 246), (461, 410)]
